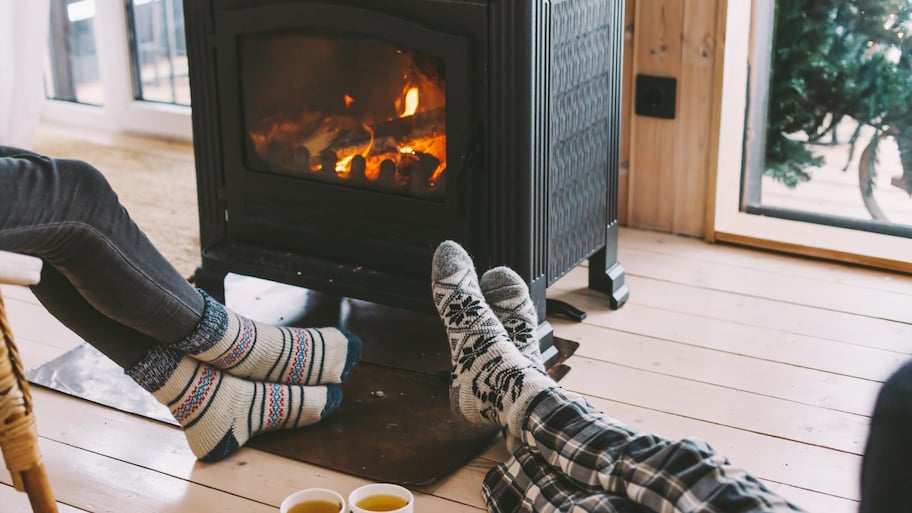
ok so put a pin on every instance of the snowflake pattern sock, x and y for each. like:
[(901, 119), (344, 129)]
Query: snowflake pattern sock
[(492, 382), (262, 352), (508, 296), (220, 412)]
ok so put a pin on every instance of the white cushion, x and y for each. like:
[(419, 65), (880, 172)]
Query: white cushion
[(17, 269)]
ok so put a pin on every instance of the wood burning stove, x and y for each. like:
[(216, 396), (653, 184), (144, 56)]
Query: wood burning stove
[(338, 143)]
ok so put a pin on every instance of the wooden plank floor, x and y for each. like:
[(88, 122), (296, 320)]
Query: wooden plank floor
[(774, 360)]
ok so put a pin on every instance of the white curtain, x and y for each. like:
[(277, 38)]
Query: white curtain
[(23, 43)]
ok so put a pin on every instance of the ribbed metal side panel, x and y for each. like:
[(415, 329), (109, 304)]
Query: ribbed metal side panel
[(541, 136), (584, 69)]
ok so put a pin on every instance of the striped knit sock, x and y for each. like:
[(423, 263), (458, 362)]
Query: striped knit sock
[(509, 298), (219, 412), (492, 382), (262, 352)]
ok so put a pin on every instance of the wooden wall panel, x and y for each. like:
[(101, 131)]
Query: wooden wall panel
[(669, 159), (692, 147)]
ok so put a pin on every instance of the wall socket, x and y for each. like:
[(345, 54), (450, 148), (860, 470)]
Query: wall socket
[(656, 96)]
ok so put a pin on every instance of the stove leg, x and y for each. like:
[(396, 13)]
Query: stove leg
[(213, 282), (606, 273)]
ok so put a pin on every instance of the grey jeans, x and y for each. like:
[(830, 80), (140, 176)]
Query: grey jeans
[(102, 276)]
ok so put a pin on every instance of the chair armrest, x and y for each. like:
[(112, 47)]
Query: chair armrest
[(16, 269)]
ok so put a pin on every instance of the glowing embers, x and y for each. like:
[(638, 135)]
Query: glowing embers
[(403, 151)]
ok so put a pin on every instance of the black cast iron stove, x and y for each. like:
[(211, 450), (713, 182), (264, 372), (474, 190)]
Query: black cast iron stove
[(338, 143)]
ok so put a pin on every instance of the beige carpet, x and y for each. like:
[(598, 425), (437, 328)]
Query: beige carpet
[(155, 181)]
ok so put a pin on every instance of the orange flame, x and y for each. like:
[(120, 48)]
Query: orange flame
[(408, 104), (297, 143), (342, 165)]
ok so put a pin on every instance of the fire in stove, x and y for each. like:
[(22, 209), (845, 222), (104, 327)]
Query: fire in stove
[(350, 134)]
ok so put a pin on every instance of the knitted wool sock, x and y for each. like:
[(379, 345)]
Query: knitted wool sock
[(219, 412), (508, 296), (492, 382), (262, 352)]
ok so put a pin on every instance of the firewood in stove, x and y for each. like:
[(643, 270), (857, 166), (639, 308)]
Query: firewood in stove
[(358, 167), (423, 124), (276, 156), (328, 160), (300, 159), (405, 167), (420, 185), (387, 178)]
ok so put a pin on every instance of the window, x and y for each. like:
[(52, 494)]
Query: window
[(119, 66), (73, 74), (817, 164), (160, 51)]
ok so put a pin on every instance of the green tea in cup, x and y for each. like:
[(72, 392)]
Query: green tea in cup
[(382, 502), (381, 497), (313, 500)]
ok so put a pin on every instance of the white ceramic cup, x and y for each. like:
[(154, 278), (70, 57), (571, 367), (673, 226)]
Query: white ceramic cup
[(312, 494), (381, 489)]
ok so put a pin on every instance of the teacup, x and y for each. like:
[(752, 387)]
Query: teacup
[(313, 500), (381, 497)]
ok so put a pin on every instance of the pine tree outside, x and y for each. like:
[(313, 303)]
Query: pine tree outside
[(831, 95)]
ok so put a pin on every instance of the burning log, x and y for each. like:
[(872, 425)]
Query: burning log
[(358, 167), (423, 124), (300, 160), (387, 178), (403, 155), (328, 160), (421, 168)]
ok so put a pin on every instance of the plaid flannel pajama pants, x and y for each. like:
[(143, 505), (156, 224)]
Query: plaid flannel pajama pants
[(576, 459)]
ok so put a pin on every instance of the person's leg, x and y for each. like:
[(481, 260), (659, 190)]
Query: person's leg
[(598, 454), (492, 382), (65, 212), (220, 412), (105, 280), (885, 473), (526, 483), (508, 295), (249, 349), (123, 345)]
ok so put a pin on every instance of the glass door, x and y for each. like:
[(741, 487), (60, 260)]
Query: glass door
[(820, 161)]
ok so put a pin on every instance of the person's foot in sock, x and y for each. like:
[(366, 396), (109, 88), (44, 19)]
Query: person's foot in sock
[(491, 382), (262, 352), (508, 295), (220, 412)]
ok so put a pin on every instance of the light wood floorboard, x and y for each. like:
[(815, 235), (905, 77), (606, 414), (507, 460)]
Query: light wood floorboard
[(774, 360)]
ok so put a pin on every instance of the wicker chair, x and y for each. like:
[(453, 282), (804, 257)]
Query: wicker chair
[(18, 435)]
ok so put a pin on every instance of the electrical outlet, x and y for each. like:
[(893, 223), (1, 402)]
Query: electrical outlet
[(656, 96)]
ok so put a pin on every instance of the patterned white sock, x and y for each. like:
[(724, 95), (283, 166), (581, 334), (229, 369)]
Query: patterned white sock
[(262, 352), (492, 382), (220, 412), (508, 295)]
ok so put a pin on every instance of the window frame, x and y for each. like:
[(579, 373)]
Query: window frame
[(121, 111), (727, 220)]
